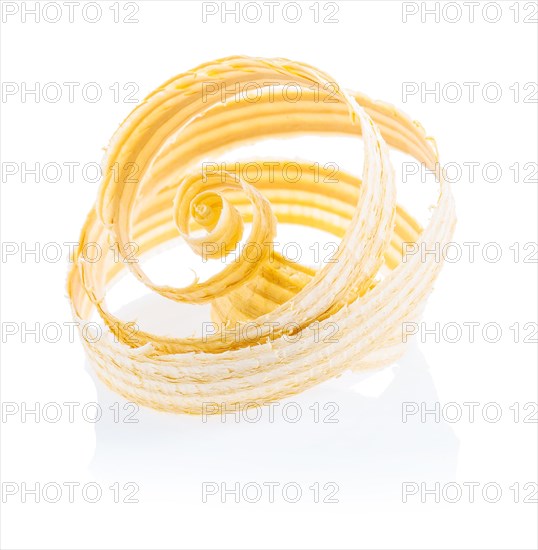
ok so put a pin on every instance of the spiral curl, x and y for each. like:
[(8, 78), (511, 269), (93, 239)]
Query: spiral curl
[(165, 139)]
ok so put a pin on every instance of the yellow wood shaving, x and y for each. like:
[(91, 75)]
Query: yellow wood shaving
[(165, 140)]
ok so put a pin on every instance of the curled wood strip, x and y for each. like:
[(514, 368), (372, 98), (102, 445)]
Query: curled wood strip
[(166, 138)]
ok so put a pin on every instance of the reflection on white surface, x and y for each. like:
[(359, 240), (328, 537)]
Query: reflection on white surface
[(350, 432)]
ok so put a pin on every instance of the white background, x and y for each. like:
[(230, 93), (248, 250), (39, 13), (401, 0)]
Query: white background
[(369, 452)]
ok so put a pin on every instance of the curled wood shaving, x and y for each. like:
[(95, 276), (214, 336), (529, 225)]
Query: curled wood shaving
[(166, 138)]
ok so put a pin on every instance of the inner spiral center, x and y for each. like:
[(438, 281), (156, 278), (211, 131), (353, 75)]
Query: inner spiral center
[(206, 210)]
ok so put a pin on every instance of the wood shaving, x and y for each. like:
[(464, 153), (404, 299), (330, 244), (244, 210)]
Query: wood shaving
[(164, 142)]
